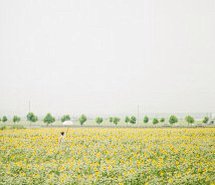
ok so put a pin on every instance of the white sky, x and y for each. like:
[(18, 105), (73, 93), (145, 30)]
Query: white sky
[(107, 57)]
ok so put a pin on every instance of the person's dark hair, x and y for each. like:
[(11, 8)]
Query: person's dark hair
[(62, 133)]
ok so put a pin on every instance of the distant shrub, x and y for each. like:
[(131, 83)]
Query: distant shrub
[(162, 120), (3, 127), (116, 120), (17, 127), (146, 119), (155, 121)]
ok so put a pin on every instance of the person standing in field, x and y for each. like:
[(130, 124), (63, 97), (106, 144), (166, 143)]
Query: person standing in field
[(61, 138)]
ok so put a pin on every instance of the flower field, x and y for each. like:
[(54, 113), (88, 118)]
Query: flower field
[(108, 156)]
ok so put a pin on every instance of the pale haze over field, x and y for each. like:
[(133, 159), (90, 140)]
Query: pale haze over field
[(107, 57)]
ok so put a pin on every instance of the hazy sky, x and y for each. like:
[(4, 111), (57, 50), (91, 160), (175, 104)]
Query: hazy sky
[(105, 57)]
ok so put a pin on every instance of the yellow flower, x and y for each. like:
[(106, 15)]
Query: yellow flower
[(97, 173), (199, 170), (170, 180), (103, 154), (62, 168), (23, 174), (63, 177), (36, 175), (161, 173), (207, 178), (90, 177)]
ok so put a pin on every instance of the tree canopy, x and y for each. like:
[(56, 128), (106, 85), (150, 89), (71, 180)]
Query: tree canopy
[(16, 119), (82, 119), (65, 118), (133, 119), (155, 121), (99, 120), (173, 119), (189, 119), (146, 119), (49, 119), (31, 117)]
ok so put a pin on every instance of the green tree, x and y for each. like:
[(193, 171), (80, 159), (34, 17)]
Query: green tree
[(189, 119), (82, 119), (155, 121), (31, 117), (173, 119), (34, 119), (133, 119), (99, 120), (16, 119), (65, 118), (146, 119), (4, 118), (162, 120), (116, 120), (111, 119), (48, 119), (0, 119), (127, 119), (205, 120)]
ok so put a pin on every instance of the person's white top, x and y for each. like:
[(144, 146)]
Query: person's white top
[(61, 139)]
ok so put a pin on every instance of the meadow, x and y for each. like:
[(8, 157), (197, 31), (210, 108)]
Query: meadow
[(108, 156)]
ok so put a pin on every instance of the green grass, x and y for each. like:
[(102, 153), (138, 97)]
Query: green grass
[(93, 123)]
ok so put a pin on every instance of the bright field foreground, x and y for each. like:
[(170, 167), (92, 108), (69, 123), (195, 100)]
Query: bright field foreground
[(108, 156)]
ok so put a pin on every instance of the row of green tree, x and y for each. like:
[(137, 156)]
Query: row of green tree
[(49, 119), (172, 119)]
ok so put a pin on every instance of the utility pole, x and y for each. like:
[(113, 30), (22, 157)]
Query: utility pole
[(138, 114)]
